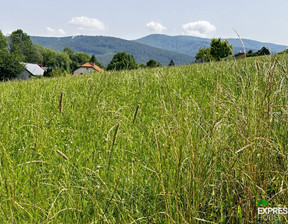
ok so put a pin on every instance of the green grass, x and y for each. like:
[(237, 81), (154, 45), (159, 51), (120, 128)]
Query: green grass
[(192, 144)]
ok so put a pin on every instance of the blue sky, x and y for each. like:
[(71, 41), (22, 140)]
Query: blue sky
[(261, 20)]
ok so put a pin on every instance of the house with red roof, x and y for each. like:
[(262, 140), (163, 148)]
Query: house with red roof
[(86, 68)]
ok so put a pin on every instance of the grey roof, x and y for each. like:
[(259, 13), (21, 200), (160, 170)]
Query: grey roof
[(34, 69)]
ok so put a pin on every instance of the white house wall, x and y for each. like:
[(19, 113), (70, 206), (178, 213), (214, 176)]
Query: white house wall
[(83, 70)]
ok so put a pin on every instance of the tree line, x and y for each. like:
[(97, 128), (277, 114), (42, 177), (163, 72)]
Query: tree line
[(220, 49), (18, 47)]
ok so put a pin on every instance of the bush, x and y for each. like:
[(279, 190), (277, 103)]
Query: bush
[(56, 72)]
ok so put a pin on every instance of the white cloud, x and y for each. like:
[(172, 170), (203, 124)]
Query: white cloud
[(199, 28), (51, 30), (61, 31), (56, 32), (85, 23), (155, 27)]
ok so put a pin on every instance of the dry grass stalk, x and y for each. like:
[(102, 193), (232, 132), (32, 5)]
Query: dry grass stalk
[(115, 134), (62, 154), (242, 43), (135, 114), (61, 102)]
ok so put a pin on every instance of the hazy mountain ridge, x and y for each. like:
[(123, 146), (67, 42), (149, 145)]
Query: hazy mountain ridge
[(163, 48), (105, 47), (186, 44), (189, 45)]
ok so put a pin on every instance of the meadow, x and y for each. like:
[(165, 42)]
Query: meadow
[(189, 144)]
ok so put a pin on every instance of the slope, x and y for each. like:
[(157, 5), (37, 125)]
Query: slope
[(201, 141)]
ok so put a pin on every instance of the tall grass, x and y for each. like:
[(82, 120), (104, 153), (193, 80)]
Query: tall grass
[(191, 144)]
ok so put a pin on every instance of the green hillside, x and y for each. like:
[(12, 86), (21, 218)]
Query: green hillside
[(104, 48), (189, 45), (162, 48), (202, 143)]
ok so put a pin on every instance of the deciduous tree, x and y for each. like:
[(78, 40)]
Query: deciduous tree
[(204, 54), (153, 64), (121, 61), (56, 60), (19, 43), (220, 49), (3, 41), (10, 66)]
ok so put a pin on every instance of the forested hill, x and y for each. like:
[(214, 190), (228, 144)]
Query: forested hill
[(162, 48), (104, 48), (190, 45)]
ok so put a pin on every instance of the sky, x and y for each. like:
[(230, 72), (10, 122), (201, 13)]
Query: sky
[(262, 20)]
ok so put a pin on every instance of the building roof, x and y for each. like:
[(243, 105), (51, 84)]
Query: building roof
[(92, 65), (33, 69)]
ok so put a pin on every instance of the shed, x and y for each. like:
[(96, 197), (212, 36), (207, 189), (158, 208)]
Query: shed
[(30, 70)]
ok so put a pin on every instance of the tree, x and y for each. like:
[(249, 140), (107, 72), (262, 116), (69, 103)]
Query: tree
[(63, 61), (35, 55), (3, 41), (263, 51), (250, 52), (153, 64), (55, 60), (204, 54), (121, 61), (220, 49), (57, 72), (94, 60), (19, 43), (79, 58), (49, 57), (10, 66), (171, 63), (69, 51)]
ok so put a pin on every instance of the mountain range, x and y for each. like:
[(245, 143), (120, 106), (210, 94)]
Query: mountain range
[(162, 48), (190, 45)]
